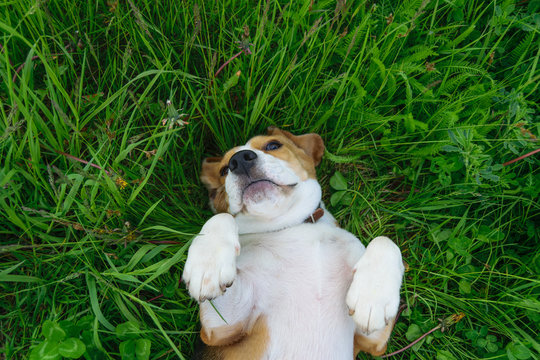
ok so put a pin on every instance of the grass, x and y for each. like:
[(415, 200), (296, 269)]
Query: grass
[(419, 103)]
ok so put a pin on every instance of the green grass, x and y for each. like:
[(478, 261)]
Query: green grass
[(419, 103)]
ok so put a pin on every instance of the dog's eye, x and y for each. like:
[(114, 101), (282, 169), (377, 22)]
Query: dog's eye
[(224, 171), (272, 145)]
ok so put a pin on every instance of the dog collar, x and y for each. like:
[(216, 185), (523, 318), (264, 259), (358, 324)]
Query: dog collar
[(317, 214)]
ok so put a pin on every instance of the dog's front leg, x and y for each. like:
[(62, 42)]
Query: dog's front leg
[(210, 274), (373, 297), (211, 263)]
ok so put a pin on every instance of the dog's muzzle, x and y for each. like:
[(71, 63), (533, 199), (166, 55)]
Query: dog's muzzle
[(242, 161)]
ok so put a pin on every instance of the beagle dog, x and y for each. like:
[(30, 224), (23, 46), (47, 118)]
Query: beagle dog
[(274, 275)]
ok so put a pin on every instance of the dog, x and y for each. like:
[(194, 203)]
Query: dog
[(274, 275)]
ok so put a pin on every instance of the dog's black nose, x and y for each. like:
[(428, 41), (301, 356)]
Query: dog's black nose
[(242, 161)]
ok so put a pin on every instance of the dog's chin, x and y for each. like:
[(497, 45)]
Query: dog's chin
[(266, 206), (259, 191), (263, 197)]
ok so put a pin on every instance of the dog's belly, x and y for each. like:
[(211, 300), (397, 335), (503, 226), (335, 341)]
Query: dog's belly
[(301, 278)]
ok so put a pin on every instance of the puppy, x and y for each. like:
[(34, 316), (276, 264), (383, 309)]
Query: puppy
[(274, 275)]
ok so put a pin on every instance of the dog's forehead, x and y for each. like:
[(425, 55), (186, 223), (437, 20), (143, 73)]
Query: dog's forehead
[(258, 142)]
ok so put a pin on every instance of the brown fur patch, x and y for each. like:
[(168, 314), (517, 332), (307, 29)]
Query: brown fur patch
[(312, 144), (295, 157), (220, 201), (251, 344), (374, 344), (223, 335), (214, 182), (210, 172)]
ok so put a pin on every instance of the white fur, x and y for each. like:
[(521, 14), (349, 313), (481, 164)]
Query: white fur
[(375, 299), (300, 204), (303, 278), (211, 262)]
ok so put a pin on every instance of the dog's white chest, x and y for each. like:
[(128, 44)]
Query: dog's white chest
[(302, 276)]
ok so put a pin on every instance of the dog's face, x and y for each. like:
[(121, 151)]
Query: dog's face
[(267, 183)]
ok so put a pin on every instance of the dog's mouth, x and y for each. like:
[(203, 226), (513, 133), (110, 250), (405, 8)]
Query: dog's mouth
[(263, 189)]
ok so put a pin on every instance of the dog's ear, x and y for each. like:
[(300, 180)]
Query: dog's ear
[(312, 144), (211, 178), (210, 173)]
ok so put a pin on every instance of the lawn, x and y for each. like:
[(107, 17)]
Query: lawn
[(429, 111)]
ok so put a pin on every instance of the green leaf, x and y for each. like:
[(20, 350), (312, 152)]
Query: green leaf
[(445, 355), (413, 333), (336, 197), (453, 137), (458, 14), (94, 302), (492, 347), (464, 286), (420, 124), (450, 148), (445, 179), (72, 348), (442, 235), (409, 123), (232, 81), (5, 274), (127, 330), (148, 212), (483, 331), (34, 354), (142, 349), (460, 243), (127, 350), (52, 331), (518, 351), (338, 181), (69, 328), (481, 342), (170, 289), (347, 199), (47, 350), (94, 353), (85, 323), (471, 334), (416, 347)]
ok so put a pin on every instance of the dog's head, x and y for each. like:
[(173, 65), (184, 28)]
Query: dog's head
[(267, 184)]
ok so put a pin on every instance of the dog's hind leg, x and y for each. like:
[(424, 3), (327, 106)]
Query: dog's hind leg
[(229, 317), (374, 343)]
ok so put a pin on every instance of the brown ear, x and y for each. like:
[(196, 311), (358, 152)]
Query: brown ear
[(210, 172), (312, 143)]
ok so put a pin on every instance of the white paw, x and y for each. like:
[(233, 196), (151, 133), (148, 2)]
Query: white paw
[(373, 298), (211, 263)]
